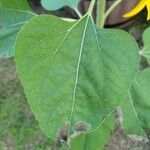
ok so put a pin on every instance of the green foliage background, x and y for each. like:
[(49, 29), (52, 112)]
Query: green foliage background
[(18, 127)]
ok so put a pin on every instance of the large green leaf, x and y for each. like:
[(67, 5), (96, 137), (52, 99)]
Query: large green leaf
[(136, 107), (14, 4), (73, 71), (146, 49), (11, 21), (95, 140), (57, 4)]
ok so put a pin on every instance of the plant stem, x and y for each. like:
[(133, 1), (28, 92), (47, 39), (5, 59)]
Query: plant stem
[(100, 19), (90, 10), (114, 5), (78, 12)]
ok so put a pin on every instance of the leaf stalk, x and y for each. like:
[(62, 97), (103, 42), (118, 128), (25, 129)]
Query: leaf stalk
[(78, 12), (112, 7), (90, 10), (100, 19)]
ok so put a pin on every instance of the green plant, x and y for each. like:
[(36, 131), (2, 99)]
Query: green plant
[(13, 14), (146, 49), (76, 73)]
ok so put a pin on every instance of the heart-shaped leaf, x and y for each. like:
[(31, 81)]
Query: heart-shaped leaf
[(72, 71), (14, 4), (146, 49), (57, 4), (136, 107), (10, 23)]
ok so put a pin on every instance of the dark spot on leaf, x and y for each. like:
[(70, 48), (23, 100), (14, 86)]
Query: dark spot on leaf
[(81, 127), (63, 133)]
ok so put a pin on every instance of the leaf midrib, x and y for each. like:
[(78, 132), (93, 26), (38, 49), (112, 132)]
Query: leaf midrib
[(78, 65), (77, 73)]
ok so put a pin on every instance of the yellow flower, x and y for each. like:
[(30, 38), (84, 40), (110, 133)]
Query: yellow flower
[(139, 7)]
